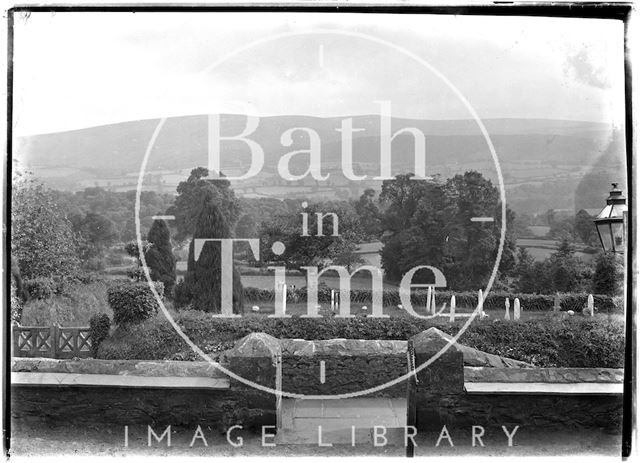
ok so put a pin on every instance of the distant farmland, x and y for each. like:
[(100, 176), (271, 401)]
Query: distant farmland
[(540, 249)]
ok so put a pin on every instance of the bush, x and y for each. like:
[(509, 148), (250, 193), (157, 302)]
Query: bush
[(41, 287), (572, 342), (73, 306), (99, 326), (133, 302)]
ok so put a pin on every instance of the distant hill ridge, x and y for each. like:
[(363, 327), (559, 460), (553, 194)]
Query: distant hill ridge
[(530, 151)]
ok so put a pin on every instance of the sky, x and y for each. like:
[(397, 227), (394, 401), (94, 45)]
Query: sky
[(75, 70)]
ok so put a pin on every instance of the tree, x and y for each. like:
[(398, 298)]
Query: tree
[(473, 246), (42, 239), (585, 228), (369, 215), (523, 272), (97, 233), (196, 193), (203, 280), (567, 272), (562, 229), (313, 250), (159, 256), (608, 276), (429, 223)]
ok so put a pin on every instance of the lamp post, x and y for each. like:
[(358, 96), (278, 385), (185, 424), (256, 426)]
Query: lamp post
[(610, 223)]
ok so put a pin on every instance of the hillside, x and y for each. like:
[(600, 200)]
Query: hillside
[(541, 159)]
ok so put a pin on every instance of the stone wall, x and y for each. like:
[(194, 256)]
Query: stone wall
[(350, 366), (294, 365), (254, 358), (547, 411)]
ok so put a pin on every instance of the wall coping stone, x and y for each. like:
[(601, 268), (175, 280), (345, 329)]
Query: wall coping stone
[(159, 368), (543, 375), (256, 345), (343, 347)]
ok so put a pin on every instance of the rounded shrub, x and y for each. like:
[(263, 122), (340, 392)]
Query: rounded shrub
[(133, 302), (99, 326)]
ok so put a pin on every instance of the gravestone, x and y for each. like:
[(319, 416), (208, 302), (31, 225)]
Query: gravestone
[(516, 309), (507, 306), (590, 306)]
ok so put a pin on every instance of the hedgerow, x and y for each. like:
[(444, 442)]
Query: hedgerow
[(495, 300), (572, 342)]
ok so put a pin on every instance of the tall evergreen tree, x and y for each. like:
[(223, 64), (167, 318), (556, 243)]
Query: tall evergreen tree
[(159, 256), (202, 284)]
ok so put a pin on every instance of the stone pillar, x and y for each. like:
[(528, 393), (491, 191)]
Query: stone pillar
[(440, 384), (256, 357)]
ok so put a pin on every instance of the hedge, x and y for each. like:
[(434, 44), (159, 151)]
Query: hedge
[(495, 300), (133, 302), (99, 326), (571, 342)]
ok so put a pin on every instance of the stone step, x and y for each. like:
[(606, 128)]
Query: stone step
[(341, 421)]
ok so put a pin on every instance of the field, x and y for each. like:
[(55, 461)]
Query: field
[(541, 249)]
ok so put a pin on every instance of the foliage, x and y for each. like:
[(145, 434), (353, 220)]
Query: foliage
[(429, 223), (263, 210), (73, 305), (203, 281), (99, 326), (585, 229), (41, 287), (608, 276), (561, 228), (575, 342), (96, 233), (159, 256), (133, 302), (16, 303), (562, 271), (194, 194), (314, 250), (118, 207), (131, 248), (42, 239), (369, 215)]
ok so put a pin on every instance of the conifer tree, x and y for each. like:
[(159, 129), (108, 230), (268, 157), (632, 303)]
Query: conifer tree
[(159, 256), (202, 284)]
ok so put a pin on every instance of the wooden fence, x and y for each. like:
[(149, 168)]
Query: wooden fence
[(52, 342)]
